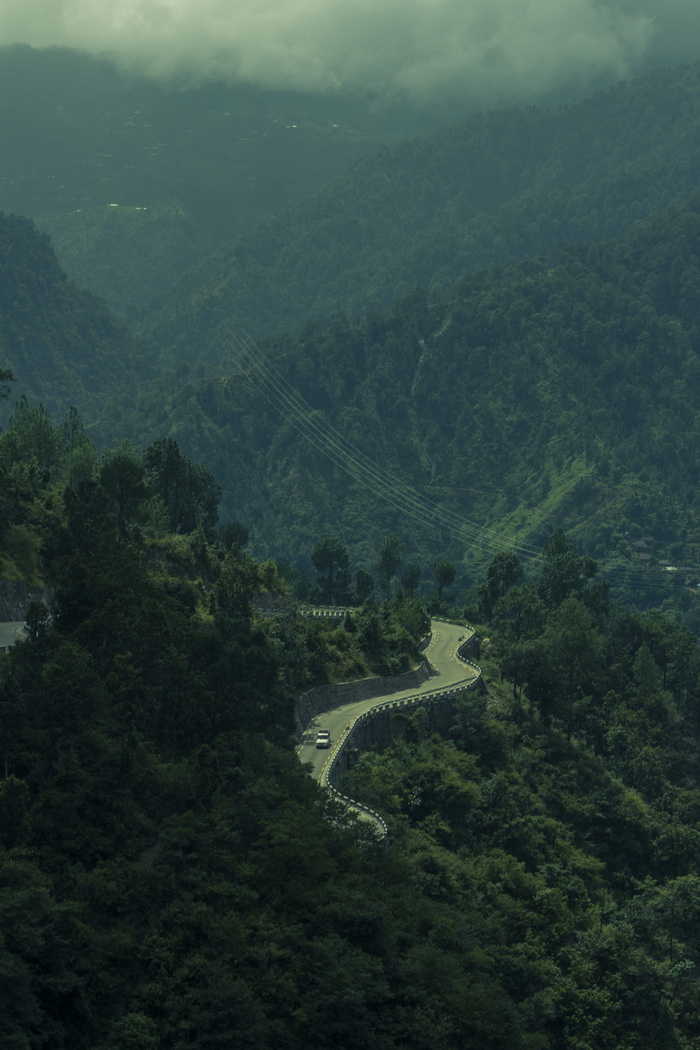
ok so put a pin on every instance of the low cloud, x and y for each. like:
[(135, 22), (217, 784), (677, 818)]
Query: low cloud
[(417, 49)]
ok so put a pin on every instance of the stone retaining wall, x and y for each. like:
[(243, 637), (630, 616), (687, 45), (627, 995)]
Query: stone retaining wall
[(328, 697)]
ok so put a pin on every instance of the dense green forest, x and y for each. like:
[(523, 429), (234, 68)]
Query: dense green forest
[(558, 392), (127, 255), (551, 392), (172, 878), (62, 344), (556, 827)]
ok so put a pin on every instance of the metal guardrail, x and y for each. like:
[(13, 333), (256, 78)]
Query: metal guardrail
[(410, 701)]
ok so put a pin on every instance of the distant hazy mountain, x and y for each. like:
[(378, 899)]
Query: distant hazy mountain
[(495, 188), (127, 255), (78, 137)]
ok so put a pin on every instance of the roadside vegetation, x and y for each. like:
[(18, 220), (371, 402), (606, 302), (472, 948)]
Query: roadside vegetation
[(171, 876)]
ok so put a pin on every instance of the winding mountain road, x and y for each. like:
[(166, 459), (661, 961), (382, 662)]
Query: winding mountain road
[(451, 672)]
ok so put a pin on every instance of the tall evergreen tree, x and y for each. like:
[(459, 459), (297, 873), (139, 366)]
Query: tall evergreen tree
[(331, 559)]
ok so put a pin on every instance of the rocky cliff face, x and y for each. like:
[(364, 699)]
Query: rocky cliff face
[(15, 597)]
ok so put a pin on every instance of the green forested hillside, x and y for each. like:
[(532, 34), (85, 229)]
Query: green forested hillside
[(555, 817), (127, 256), (548, 393), (173, 880), (63, 345), (495, 188)]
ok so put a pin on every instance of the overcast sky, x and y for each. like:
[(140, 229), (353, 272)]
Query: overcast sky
[(423, 49)]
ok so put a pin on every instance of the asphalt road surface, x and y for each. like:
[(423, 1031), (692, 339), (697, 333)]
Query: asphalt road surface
[(10, 632)]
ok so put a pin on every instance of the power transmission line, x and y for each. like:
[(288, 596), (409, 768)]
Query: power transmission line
[(307, 421), (331, 443)]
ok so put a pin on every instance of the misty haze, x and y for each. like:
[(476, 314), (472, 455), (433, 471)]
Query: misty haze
[(423, 50)]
